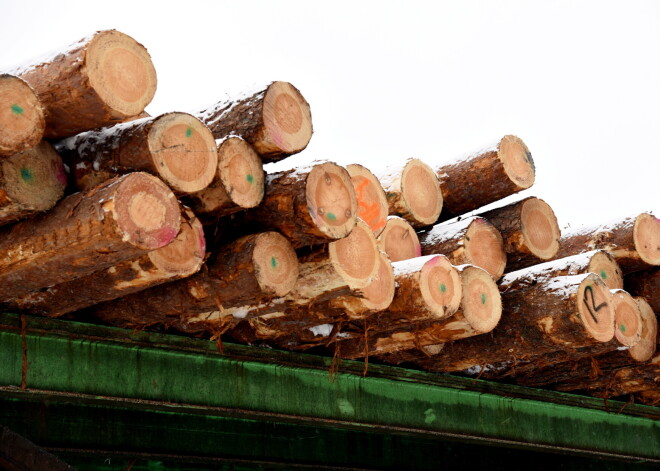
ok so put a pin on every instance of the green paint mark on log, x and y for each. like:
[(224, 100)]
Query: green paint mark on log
[(250, 178), (603, 275), (443, 287), (189, 132), (483, 298), (331, 217), (16, 109), (26, 174), (622, 328), (273, 262)]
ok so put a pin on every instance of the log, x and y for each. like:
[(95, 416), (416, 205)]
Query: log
[(22, 120), (180, 258), (310, 206), (473, 241), (412, 192), (399, 240), (485, 176), (121, 219), (646, 284), (95, 82), (646, 347), (372, 202), (596, 261), (634, 241), (564, 313), (31, 181), (627, 318), (238, 183), (176, 147), (479, 312), (250, 270), (530, 231), (276, 120)]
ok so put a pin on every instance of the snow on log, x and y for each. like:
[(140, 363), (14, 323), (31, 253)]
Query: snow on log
[(275, 119), (97, 81)]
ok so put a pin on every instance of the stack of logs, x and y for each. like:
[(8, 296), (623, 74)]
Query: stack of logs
[(171, 222)]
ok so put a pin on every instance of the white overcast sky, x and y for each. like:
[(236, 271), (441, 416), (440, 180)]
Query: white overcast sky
[(578, 81)]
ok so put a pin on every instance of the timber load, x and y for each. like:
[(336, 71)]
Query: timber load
[(193, 223)]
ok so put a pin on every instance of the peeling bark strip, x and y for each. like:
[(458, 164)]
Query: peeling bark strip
[(646, 284), (180, 258), (95, 82), (30, 182), (484, 177), (312, 205), (248, 271), (238, 182), (372, 202), (22, 121), (634, 241), (599, 262), (412, 192), (276, 120), (529, 229), (176, 147), (399, 240), (473, 241), (121, 219), (479, 312)]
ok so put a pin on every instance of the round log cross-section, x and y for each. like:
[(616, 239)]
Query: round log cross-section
[(399, 240), (372, 202), (22, 121)]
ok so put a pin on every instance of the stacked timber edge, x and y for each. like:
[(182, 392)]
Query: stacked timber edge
[(31, 181), (176, 147), (123, 218), (111, 73), (276, 120), (483, 177), (22, 120)]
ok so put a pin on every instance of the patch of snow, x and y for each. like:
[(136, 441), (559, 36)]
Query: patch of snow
[(322, 330)]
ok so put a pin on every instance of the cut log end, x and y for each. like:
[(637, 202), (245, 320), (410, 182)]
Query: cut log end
[(595, 308), (185, 254), (484, 247), (481, 303), (184, 151), (275, 264), (399, 240), (372, 202), (540, 228), (440, 285), (628, 321), (356, 257), (646, 235), (645, 348), (146, 211), (517, 161), (331, 200), (287, 120), (121, 72), (420, 192), (241, 172), (379, 293), (33, 180), (22, 121), (604, 265)]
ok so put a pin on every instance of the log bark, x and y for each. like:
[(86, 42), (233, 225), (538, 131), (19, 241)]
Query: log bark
[(596, 261), (176, 147), (121, 219), (530, 231), (479, 312), (276, 120), (31, 181), (485, 176), (180, 258), (646, 284), (22, 120), (372, 202), (310, 206), (634, 241), (412, 192), (95, 82), (250, 270), (399, 240), (238, 183), (473, 241), (564, 313)]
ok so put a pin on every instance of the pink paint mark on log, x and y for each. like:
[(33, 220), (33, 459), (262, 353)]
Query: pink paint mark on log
[(165, 235), (60, 173), (277, 138), (418, 250), (202, 241)]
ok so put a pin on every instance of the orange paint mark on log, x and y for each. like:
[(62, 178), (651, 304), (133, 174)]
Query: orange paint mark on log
[(369, 213)]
